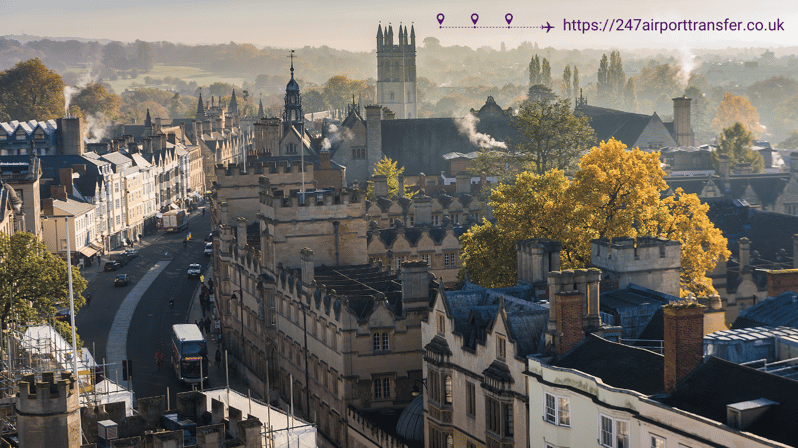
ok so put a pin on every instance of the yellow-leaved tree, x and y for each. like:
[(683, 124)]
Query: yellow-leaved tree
[(388, 168), (615, 193), (736, 109)]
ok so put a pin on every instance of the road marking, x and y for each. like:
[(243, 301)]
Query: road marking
[(116, 347)]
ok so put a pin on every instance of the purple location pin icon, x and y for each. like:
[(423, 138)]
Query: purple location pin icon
[(440, 19), (474, 18), (508, 18)]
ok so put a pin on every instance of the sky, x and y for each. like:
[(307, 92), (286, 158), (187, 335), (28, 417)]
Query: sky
[(352, 24)]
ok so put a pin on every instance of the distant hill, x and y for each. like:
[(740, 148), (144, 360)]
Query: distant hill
[(25, 38)]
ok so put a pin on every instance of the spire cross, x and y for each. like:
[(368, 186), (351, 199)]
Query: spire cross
[(291, 55)]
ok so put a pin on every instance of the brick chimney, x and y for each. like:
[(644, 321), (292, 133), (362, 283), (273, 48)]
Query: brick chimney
[(781, 281), (684, 340), (324, 159), (58, 192), (681, 121), (47, 206), (65, 177), (79, 168), (569, 322)]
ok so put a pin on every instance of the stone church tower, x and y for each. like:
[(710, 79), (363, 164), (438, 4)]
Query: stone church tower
[(292, 116), (396, 71)]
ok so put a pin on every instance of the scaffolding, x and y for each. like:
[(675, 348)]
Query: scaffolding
[(41, 349)]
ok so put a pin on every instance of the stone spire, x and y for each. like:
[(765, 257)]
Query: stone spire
[(200, 108), (148, 121), (233, 104), (260, 109)]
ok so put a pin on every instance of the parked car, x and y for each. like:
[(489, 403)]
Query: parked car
[(62, 314), (208, 249), (112, 266), (131, 253), (122, 280), (194, 270), (121, 258)]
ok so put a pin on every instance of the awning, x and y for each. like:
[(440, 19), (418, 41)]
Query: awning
[(96, 246), (174, 207), (88, 251)]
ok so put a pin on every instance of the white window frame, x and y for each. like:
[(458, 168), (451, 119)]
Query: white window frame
[(560, 413), (613, 433), (657, 441)]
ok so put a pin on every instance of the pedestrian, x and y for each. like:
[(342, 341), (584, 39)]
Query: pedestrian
[(88, 299), (218, 357), (207, 325), (202, 305), (159, 358)]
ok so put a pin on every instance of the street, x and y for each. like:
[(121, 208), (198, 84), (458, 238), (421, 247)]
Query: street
[(144, 309)]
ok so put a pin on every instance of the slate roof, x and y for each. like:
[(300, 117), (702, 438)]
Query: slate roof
[(476, 307), (607, 123), (717, 383), (768, 232), (419, 144), (617, 365), (779, 311), (360, 285), (634, 295)]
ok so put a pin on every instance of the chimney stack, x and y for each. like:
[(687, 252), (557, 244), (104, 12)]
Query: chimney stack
[(684, 340), (242, 232), (65, 177), (463, 183), (681, 121), (380, 185), (536, 258), (745, 254), (307, 258), (415, 284), (58, 192), (324, 159), (47, 206)]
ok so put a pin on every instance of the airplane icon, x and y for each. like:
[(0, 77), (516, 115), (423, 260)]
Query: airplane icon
[(547, 27)]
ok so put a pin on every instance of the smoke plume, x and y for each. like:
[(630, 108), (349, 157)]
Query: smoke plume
[(468, 127), (71, 91), (336, 135)]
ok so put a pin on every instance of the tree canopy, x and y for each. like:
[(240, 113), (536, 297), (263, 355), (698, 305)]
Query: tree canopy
[(33, 282), (615, 193), (95, 98), (735, 143), (551, 136), (736, 109), (31, 91)]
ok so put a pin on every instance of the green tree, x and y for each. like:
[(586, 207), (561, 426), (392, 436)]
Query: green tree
[(31, 91), (388, 168), (115, 56), (146, 56), (577, 93), (566, 82), (540, 93), (94, 98), (603, 86), (630, 96), (791, 142), (338, 91), (312, 101), (617, 78), (33, 282), (534, 71), (551, 136), (735, 143), (545, 73), (615, 193)]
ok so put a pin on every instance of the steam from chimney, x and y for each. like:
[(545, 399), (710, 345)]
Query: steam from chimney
[(71, 91), (96, 127), (468, 127), (687, 64), (335, 135)]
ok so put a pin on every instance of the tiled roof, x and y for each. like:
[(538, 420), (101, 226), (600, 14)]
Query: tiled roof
[(717, 383), (616, 364)]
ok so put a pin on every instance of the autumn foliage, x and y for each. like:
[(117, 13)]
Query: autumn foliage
[(615, 193), (736, 109)]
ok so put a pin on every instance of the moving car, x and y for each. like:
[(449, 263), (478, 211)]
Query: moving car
[(62, 314), (131, 253), (194, 270), (112, 266), (209, 237), (122, 280), (208, 249)]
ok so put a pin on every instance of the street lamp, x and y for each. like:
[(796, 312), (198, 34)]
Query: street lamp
[(71, 308)]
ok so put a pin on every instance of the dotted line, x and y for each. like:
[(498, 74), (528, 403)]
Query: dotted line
[(480, 26)]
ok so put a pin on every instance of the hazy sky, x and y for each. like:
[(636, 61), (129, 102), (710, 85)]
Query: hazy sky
[(352, 24)]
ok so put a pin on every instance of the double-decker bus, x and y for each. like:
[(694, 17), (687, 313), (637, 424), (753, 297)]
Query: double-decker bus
[(189, 354)]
